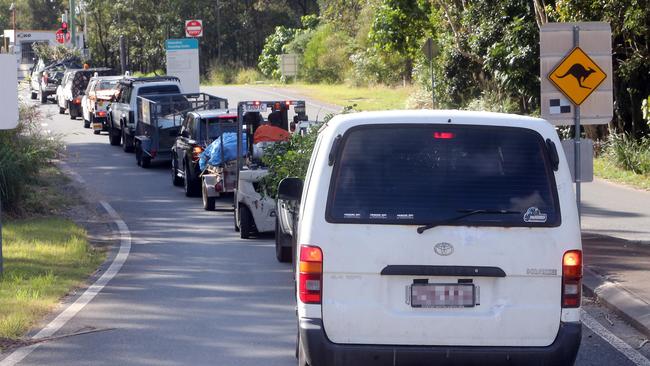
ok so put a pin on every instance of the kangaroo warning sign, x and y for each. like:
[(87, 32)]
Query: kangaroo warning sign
[(575, 70), (577, 76)]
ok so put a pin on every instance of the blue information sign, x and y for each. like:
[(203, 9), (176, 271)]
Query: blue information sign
[(181, 44)]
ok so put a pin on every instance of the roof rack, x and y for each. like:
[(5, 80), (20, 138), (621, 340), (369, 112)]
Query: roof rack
[(131, 79)]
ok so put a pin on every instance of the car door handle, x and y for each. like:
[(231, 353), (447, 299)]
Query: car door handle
[(450, 271)]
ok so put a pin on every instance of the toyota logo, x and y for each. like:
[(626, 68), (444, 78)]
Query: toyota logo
[(443, 249)]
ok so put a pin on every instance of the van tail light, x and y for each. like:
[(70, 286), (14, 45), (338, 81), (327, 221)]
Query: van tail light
[(310, 274), (196, 153), (571, 279)]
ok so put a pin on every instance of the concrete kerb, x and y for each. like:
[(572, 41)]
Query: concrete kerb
[(629, 307)]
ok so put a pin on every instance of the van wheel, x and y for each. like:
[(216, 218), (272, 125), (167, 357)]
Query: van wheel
[(208, 202), (176, 180), (246, 222), (283, 248), (114, 136)]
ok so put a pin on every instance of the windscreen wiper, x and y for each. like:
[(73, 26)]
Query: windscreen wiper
[(466, 213)]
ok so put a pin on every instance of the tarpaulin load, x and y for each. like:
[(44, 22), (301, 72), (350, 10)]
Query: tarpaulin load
[(212, 154)]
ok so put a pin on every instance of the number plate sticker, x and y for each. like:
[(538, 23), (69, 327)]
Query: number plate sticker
[(255, 107), (432, 295)]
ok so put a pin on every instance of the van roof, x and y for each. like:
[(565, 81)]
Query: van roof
[(344, 121)]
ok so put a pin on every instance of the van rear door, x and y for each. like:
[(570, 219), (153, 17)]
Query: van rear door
[(488, 270)]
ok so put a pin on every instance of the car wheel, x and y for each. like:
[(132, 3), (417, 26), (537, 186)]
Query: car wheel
[(283, 248), (42, 97), (73, 113), (34, 95), (176, 180), (208, 202), (141, 159), (61, 110), (190, 184), (86, 123), (246, 222), (127, 144), (97, 132), (114, 136)]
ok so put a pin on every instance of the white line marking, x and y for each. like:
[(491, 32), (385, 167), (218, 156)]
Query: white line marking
[(609, 337), (83, 300)]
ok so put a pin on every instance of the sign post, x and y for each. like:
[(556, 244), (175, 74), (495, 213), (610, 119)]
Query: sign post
[(8, 109), (289, 65), (183, 62), (431, 50), (575, 61)]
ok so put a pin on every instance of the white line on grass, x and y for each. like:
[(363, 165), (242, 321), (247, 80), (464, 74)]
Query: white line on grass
[(633, 355), (83, 300)]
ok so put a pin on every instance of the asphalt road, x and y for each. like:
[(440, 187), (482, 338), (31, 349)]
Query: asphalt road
[(191, 292)]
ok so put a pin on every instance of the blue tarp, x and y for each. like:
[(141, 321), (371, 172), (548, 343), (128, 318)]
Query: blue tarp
[(212, 154)]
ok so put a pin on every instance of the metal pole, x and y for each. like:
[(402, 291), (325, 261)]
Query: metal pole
[(1, 261), (73, 33), (576, 138), (122, 54), (218, 32), (433, 90)]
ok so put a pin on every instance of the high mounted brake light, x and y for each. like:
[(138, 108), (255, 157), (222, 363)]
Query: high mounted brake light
[(443, 135), (310, 274), (571, 279)]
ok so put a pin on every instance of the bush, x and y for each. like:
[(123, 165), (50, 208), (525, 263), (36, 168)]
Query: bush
[(327, 56), (629, 153), (24, 151), (248, 76)]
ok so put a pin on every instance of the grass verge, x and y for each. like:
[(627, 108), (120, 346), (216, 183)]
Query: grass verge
[(366, 98), (43, 259), (604, 168)]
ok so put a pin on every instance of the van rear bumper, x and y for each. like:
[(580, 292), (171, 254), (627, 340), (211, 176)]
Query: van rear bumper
[(320, 351)]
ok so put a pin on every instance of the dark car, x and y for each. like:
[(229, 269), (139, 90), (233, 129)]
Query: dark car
[(198, 130)]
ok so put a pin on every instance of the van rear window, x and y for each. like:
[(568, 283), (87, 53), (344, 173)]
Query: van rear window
[(427, 174)]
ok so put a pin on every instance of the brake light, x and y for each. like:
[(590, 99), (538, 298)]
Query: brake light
[(256, 103), (101, 114), (310, 274), (443, 135), (571, 279), (77, 100), (196, 152)]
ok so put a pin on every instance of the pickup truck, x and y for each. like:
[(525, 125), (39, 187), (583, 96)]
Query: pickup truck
[(100, 92), (73, 87), (46, 77), (121, 129)]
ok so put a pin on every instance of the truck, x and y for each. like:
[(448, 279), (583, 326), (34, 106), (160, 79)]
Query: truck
[(159, 119), (121, 115), (255, 210)]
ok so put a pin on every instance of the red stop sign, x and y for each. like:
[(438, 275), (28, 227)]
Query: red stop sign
[(60, 37), (193, 28)]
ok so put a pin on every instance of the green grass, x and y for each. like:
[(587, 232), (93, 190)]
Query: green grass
[(44, 258), (366, 98), (604, 168)]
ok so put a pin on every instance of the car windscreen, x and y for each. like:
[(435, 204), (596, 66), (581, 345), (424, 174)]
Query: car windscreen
[(216, 127), (434, 173), (158, 89), (107, 84)]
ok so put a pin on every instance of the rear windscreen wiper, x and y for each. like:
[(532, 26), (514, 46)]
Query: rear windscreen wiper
[(466, 213)]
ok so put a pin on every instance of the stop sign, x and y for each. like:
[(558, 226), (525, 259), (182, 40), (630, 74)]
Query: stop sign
[(60, 37), (193, 28)]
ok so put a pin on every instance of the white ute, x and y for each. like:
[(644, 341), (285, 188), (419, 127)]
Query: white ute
[(437, 238)]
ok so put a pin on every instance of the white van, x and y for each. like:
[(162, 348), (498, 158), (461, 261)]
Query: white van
[(437, 238)]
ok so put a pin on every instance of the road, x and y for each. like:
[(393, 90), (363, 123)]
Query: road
[(191, 292)]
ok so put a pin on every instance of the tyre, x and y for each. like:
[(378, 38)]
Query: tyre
[(114, 136), (34, 95), (42, 97), (141, 158), (127, 143), (190, 184), (97, 132), (72, 111), (176, 180), (246, 222), (61, 110), (302, 359), (208, 202), (86, 123), (283, 249)]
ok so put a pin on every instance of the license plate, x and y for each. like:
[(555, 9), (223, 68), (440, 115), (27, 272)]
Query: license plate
[(255, 107), (432, 295)]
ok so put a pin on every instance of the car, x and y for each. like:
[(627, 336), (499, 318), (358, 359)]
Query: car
[(95, 101), (45, 78), (72, 88), (199, 129), (437, 237), (121, 114)]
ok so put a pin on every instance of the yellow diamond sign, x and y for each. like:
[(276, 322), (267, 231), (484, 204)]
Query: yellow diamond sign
[(577, 76)]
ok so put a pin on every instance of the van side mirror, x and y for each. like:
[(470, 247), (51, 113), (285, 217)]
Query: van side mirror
[(290, 189)]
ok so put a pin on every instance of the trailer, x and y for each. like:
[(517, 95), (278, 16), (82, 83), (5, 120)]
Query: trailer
[(159, 119), (255, 211)]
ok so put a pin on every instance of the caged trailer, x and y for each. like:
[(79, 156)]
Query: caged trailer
[(159, 119), (255, 211)]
